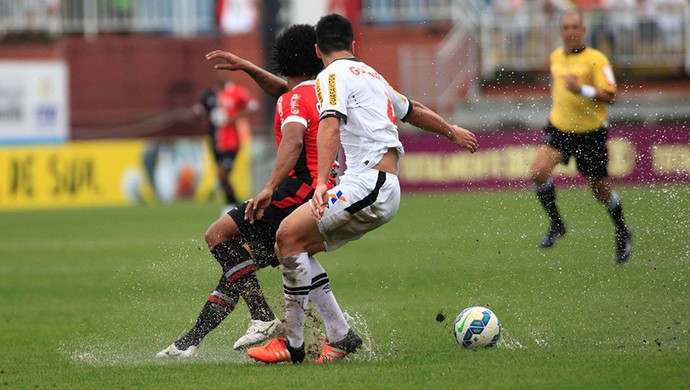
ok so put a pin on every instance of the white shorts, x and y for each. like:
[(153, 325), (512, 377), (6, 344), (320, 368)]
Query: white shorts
[(360, 203)]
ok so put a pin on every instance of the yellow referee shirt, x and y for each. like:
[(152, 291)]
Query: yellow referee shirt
[(572, 112)]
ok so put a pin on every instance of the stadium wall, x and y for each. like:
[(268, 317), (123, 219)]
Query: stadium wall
[(638, 155), (122, 79), (120, 172)]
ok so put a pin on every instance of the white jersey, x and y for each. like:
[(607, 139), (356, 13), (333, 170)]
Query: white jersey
[(368, 109)]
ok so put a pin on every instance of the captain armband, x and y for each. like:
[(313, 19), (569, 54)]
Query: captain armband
[(588, 91)]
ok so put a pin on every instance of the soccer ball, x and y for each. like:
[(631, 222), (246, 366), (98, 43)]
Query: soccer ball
[(477, 327)]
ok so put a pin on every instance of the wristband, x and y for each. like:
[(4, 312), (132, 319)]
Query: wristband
[(588, 91)]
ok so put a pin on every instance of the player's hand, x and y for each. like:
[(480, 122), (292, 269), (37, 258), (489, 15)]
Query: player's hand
[(464, 138), (231, 61), (257, 205), (319, 201)]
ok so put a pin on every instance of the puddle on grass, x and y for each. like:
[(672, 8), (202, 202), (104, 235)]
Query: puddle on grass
[(103, 351)]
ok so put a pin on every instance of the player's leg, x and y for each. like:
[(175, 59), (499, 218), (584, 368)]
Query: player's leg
[(592, 162), (603, 193), (361, 203), (232, 230), (297, 238), (239, 276), (323, 299), (609, 198), (226, 230), (547, 158), (260, 238), (218, 306), (225, 165), (297, 234), (341, 339)]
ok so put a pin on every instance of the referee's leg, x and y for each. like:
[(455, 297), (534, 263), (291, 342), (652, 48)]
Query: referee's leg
[(547, 158)]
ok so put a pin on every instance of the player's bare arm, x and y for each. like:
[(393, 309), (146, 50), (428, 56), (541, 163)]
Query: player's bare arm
[(286, 158), (327, 144), (270, 83), (572, 83), (426, 119)]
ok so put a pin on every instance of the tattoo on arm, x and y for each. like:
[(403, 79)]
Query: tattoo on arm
[(270, 83)]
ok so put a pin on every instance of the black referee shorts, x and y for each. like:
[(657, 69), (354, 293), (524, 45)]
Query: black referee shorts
[(589, 149)]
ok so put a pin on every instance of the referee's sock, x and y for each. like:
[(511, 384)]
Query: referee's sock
[(616, 212), (546, 193)]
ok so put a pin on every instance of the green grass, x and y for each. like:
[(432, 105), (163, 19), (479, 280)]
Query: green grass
[(87, 297)]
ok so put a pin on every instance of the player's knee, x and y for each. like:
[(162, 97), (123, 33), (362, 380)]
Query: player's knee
[(218, 232), (287, 242), (276, 248), (601, 196), (282, 237), (600, 190), (539, 176)]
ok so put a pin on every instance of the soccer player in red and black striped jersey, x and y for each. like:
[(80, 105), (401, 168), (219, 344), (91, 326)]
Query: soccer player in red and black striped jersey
[(254, 223), (224, 104)]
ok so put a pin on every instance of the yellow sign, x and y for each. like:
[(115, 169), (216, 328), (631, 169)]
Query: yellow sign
[(113, 172), (506, 163)]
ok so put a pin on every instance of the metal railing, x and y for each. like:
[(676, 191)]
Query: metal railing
[(484, 43), (406, 11), (93, 17), (519, 40), (632, 39), (458, 52)]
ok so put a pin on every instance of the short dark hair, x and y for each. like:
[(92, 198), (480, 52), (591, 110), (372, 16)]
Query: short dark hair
[(572, 11), (294, 54), (334, 33)]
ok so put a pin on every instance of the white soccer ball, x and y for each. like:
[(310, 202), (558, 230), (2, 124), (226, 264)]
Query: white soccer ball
[(477, 327)]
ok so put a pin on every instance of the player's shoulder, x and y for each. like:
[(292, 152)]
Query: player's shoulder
[(596, 54), (304, 91), (301, 98), (343, 66), (557, 53)]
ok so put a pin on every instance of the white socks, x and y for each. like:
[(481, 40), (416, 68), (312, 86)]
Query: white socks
[(325, 303), (296, 286), (304, 279)]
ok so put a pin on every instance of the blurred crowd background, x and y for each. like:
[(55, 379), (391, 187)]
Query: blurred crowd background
[(469, 52), (133, 69)]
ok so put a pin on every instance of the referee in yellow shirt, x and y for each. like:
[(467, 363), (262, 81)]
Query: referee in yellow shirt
[(582, 87)]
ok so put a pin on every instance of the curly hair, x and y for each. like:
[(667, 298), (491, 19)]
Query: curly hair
[(294, 53)]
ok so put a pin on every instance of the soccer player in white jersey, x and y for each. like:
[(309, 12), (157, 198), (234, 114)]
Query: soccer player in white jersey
[(358, 110)]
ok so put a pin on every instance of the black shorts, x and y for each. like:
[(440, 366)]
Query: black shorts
[(261, 235), (226, 159), (589, 149)]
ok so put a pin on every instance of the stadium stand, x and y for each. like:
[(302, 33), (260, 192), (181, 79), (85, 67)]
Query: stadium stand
[(480, 63)]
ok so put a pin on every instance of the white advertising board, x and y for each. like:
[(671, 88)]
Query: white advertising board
[(34, 102)]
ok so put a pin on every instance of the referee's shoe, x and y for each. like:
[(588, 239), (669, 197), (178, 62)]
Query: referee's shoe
[(555, 230)]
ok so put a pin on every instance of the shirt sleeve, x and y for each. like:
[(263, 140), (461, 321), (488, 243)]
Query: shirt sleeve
[(294, 109), (603, 75), (331, 92), (402, 106)]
